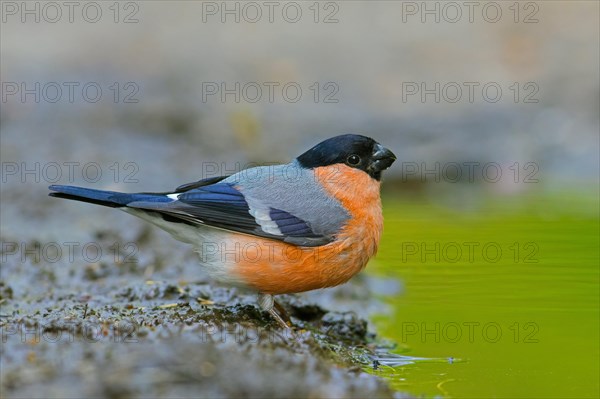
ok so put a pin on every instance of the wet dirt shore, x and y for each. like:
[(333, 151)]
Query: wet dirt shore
[(127, 326)]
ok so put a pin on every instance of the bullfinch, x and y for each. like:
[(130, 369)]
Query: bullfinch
[(312, 223)]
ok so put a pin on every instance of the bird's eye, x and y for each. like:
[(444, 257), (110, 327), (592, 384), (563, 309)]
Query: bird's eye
[(353, 159)]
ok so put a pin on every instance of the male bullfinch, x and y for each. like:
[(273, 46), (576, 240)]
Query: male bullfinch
[(308, 224)]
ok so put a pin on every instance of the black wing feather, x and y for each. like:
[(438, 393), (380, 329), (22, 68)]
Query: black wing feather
[(200, 183)]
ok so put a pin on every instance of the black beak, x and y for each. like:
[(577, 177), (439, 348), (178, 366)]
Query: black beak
[(382, 158)]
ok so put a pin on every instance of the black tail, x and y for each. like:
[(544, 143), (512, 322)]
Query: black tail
[(112, 199)]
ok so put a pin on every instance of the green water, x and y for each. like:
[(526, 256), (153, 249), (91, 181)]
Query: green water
[(520, 323)]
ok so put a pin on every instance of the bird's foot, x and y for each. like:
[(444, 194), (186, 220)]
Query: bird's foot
[(277, 312)]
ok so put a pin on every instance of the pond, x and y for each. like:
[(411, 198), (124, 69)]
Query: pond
[(500, 300)]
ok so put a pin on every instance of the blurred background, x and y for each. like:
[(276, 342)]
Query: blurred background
[(491, 107)]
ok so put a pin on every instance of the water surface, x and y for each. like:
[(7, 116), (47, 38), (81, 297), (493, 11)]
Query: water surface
[(503, 298)]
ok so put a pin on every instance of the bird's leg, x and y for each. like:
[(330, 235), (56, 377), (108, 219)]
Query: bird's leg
[(282, 312), (267, 302)]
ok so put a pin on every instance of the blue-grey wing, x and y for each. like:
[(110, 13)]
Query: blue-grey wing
[(224, 206)]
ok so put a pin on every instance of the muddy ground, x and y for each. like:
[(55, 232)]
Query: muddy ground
[(127, 325)]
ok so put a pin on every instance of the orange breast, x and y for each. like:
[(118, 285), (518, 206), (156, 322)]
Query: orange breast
[(274, 267)]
